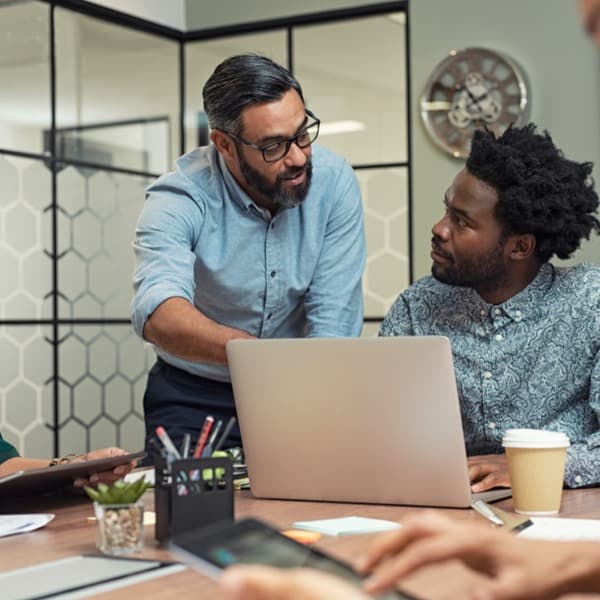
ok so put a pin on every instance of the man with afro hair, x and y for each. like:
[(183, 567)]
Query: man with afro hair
[(525, 334)]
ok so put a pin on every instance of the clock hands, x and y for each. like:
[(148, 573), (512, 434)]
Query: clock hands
[(474, 102)]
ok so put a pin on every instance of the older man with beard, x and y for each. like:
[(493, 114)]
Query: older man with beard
[(259, 234)]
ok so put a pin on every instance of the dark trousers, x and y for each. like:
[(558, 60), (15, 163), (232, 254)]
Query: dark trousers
[(180, 402)]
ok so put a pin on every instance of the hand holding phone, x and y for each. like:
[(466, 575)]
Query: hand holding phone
[(250, 541)]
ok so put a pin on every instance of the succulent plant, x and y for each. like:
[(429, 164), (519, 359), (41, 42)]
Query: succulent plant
[(120, 492)]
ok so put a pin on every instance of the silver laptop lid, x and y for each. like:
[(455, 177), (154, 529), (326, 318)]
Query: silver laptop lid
[(351, 420)]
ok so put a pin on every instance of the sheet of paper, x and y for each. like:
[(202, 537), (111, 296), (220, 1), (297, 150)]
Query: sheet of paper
[(13, 524), (347, 525), (559, 529)]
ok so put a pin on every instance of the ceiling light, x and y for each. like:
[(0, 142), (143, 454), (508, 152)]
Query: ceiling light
[(335, 127)]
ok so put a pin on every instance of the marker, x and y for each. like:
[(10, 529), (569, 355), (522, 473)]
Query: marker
[(203, 436), (163, 436), (207, 451), (485, 511), (226, 432), (185, 446)]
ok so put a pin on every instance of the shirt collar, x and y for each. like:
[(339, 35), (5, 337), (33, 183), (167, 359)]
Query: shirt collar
[(528, 301), (237, 194)]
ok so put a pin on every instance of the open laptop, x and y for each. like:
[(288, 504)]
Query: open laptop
[(372, 420)]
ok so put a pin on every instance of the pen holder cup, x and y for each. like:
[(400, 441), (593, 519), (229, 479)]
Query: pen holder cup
[(191, 493)]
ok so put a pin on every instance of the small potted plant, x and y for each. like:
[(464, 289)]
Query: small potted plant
[(119, 515)]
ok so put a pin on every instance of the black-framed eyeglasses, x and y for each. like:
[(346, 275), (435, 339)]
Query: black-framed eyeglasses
[(274, 151)]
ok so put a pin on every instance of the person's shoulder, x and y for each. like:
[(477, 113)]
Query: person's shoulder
[(193, 172), (427, 291), (192, 179), (581, 280), (428, 285), (328, 162)]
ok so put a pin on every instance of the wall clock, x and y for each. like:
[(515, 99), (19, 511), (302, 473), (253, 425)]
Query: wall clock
[(470, 89)]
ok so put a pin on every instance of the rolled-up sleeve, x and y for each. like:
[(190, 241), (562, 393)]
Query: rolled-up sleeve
[(165, 236)]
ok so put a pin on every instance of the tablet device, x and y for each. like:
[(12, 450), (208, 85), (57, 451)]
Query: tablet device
[(250, 541), (36, 481)]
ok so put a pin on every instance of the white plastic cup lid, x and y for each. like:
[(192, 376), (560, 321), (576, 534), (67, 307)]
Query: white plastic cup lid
[(534, 438)]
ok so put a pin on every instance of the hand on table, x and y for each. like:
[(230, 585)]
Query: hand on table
[(107, 477), (269, 583), (487, 471), (518, 569)]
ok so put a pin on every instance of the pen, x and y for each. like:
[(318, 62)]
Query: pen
[(511, 521), (521, 526), (484, 510), (163, 436), (203, 435), (225, 433), (208, 449), (185, 447)]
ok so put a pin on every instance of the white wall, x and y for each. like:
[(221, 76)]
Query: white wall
[(204, 14), (170, 13)]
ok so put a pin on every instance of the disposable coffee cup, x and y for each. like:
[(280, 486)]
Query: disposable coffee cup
[(536, 465)]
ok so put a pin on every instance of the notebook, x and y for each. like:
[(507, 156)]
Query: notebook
[(368, 420)]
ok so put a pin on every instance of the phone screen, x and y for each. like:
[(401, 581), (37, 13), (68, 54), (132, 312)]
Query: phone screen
[(253, 542)]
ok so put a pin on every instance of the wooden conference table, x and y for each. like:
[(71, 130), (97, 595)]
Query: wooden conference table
[(72, 532)]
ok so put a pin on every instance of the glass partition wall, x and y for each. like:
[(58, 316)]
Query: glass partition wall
[(94, 106)]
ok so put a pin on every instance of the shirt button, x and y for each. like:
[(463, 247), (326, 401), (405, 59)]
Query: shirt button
[(487, 375), (498, 338), (497, 311), (273, 273), (492, 425), (518, 313), (578, 479), (482, 312)]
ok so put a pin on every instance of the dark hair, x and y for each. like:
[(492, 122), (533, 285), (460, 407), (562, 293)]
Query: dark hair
[(241, 81), (539, 190)]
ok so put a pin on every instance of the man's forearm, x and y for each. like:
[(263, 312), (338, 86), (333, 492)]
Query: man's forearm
[(182, 330)]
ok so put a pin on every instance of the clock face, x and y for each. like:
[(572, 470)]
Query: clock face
[(471, 89)]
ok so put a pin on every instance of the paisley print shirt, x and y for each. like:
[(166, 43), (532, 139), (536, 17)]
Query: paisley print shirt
[(533, 361)]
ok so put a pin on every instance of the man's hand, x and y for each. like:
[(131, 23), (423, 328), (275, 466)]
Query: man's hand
[(518, 569), (107, 477), (269, 583), (488, 471)]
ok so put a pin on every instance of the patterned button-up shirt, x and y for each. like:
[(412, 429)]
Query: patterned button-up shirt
[(533, 361)]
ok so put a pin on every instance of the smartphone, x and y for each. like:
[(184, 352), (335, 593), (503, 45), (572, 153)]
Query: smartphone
[(250, 541)]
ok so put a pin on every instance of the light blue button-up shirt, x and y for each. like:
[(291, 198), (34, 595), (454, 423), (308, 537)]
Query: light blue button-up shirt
[(202, 238), (533, 361)]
